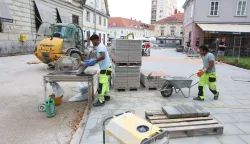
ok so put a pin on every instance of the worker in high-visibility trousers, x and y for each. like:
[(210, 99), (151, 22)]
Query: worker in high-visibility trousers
[(106, 70), (207, 74)]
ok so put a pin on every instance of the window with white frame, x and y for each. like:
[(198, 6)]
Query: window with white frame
[(172, 32), (162, 32), (104, 21), (88, 16), (192, 10), (100, 20), (241, 8), (214, 8)]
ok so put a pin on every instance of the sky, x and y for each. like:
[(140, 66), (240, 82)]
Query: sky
[(137, 9)]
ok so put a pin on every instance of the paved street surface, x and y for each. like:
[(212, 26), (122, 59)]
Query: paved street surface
[(20, 93), (234, 97)]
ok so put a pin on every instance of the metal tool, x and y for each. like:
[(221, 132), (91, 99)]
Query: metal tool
[(176, 83)]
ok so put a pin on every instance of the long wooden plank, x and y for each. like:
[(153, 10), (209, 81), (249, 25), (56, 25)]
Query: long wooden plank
[(148, 113), (194, 123), (180, 120), (157, 117), (196, 128)]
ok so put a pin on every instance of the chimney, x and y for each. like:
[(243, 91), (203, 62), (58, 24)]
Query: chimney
[(175, 11)]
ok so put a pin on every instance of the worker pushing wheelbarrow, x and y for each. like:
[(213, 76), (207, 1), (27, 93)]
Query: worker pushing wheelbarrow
[(207, 76)]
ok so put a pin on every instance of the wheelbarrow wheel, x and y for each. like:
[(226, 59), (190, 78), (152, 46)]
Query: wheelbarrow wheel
[(168, 92)]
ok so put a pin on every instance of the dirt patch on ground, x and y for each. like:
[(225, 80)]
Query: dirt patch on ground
[(76, 122)]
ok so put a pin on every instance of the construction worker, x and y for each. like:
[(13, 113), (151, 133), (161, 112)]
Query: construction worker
[(207, 74), (105, 66)]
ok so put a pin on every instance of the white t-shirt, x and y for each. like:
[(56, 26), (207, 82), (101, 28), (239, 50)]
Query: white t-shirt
[(106, 63)]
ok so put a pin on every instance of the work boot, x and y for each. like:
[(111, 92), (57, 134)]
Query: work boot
[(198, 99), (98, 103), (107, 98), (216, 97)]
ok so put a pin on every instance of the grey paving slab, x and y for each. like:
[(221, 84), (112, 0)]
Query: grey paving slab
[(244, 102), (231, 103), (222, 110), (239, 110), (91, 123), (230, 129), (224, 118), (240, 117), (245, 138), (230, 140), (245, 127), (196, 140)]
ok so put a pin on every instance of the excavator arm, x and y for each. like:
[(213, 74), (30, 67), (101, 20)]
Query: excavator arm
[(130, 34)]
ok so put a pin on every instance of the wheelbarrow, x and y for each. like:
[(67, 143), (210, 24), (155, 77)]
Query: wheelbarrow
[(176, 84)]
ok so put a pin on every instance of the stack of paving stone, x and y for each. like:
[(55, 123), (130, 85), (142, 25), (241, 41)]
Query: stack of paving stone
[(126, 55), (152, 79), (184, 111)]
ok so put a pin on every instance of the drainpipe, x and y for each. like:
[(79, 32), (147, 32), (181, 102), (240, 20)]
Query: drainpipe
[(95, 17), (193, 26)]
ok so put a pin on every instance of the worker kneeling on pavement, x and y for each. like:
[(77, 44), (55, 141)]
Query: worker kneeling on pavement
[(105, 66), (207, 74)]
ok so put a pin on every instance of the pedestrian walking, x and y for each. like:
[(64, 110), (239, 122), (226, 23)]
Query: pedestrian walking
[(106, 70), (221, 50), (207, 74)]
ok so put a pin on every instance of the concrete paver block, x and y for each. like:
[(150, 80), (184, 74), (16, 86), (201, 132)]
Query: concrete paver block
[(245, 127), (222, 110), (230, 129), (246, 138), (224, 118), (240, 117), (230, 140)]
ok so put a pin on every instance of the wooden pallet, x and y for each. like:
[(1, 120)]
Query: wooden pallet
[(132, 63), (126, 89), (184, 127), (149, 88)]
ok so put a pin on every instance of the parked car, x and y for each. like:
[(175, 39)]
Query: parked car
[(180, 49)]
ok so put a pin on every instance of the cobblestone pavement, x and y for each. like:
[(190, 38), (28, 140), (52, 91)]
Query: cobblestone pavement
[(232, 109)]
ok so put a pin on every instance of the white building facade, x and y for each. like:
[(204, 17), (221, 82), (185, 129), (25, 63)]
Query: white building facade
[(161, 9), (25, 16), (169, 31), (120, 27)]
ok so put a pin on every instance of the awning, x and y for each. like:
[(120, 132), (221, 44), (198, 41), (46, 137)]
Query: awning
[(225, 28), (64, 15), (46, 12), (5, 15)]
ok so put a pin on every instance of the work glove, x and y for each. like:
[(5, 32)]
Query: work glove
[(201, 72), (90, 62)]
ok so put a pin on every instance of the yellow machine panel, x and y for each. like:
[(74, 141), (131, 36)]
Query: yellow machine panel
[(130, 129)]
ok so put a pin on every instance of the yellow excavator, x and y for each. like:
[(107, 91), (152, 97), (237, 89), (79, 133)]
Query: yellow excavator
[(128, 35), (61, 39)]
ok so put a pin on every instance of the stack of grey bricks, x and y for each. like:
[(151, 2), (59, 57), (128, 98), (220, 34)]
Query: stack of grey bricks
[(152, 79), (126, 57)]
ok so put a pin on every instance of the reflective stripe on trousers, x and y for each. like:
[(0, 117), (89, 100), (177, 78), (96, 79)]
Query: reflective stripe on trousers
[(210, 80), (103, 88)]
